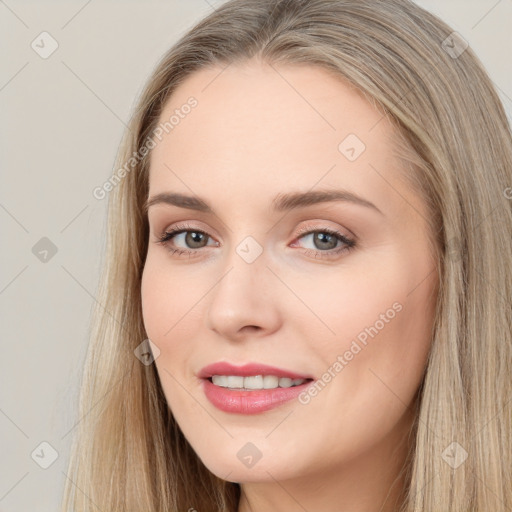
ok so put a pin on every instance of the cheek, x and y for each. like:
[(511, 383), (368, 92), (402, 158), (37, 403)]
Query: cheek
[(169, 319), (371, 296), (382, 321), (375, 362), (168, 301)]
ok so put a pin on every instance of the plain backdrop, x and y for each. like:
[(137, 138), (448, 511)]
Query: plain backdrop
[(62, 119)]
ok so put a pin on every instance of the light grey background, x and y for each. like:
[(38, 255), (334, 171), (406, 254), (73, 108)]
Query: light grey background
[(62, 119)]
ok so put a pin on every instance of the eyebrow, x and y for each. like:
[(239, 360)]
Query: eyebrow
[(281, 203)]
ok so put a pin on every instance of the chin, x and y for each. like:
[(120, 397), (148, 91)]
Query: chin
[(232, 469)]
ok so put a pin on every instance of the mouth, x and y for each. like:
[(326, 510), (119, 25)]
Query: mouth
[(252, 388)]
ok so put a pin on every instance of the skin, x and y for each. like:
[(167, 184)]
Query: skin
[(253, 136)]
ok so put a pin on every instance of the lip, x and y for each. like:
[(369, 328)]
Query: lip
[(254, 401), (246, 370), (250, 402)]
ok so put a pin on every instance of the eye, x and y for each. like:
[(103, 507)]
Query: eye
[(325, 240), (193, 237)]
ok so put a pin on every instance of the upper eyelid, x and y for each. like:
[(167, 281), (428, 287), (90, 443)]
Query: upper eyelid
[(303, 231), (174, 226), (180, 228)]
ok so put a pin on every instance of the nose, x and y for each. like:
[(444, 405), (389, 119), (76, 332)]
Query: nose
[(244, 301)]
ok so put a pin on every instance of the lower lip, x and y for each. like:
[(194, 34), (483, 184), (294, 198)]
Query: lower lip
[(250, 402)]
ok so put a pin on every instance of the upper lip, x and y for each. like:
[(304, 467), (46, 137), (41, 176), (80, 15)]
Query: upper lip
[(246, 370)]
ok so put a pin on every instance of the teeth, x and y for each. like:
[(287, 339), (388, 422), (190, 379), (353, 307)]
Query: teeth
[(270, 382), (255, 382), (285, 383), (235, 382)]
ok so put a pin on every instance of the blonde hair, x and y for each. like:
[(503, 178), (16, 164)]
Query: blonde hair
[(454, 139)]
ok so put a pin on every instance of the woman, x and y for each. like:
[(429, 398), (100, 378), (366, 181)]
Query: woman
[(240, 364)]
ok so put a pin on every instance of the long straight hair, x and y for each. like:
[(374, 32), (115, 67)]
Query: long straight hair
[(454, 140)]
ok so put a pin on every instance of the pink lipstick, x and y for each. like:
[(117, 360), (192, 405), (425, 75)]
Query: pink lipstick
[(252, 388)]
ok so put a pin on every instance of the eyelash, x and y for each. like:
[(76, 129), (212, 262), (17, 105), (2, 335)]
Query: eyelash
[(349, 244)]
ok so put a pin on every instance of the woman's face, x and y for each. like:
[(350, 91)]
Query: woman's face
[(264, 281)]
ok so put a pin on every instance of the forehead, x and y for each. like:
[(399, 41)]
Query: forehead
[(263, 128)]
